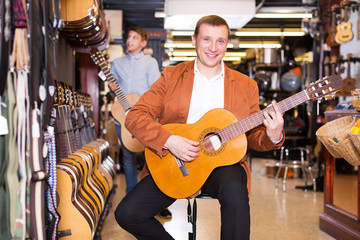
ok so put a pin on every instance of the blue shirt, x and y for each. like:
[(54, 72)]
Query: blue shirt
[(135, 74)]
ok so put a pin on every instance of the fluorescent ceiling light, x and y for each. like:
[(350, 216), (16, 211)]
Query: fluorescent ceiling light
[(178, 45), (265, 44), (252, 32), (193, 54), (183, 14), (182, 33), (259, 45), (188, 22), (287, 9), (269, 32), (283, 15), (182, 59), (160, 14)]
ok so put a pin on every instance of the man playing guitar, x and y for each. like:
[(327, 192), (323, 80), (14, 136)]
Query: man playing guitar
[(183, 94)]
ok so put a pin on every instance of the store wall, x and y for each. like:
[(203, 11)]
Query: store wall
[(353, 47)]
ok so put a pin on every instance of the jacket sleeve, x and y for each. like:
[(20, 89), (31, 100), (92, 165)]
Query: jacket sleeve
[(141, 119)]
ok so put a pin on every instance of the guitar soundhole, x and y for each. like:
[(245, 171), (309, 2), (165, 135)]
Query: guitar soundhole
[(210, 142)]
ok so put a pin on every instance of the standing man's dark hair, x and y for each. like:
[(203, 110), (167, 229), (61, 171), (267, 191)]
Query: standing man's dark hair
[(140, 31), (213, 20)]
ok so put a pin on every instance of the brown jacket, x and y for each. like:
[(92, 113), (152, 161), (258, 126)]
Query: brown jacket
[(169, 99)]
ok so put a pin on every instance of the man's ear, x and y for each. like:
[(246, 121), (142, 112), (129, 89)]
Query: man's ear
[(143, 44), (193, 39)]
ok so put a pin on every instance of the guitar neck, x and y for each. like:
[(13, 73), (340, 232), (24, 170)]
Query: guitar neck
[(246, 124), (118, 92)]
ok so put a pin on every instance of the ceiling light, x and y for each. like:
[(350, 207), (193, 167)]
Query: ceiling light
[(259, 44), (178, 45), (182, 59), (193, 54), (183, 14), (269, 32), (283, 15), (160, 14), (182, 33)]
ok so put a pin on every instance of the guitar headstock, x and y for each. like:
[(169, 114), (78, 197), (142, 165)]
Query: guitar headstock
[(56, 95), (97, 56), (61, 93), (324, 87)]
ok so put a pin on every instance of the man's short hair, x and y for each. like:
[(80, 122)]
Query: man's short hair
[(140, 31), (213, 20)]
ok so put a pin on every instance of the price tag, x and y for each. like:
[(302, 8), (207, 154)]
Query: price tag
[(35, 130), (102, 75), (45, 150), (35, 127), (190, 227), (4, 130)]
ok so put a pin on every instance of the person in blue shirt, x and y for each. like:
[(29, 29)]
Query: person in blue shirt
[(135, 73)]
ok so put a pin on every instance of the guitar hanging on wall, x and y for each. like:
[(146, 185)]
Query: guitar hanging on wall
[(344, 32), (222, 142), (121, 106), (330, 40)]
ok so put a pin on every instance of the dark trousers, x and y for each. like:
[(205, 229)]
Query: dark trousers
[(135, 213)]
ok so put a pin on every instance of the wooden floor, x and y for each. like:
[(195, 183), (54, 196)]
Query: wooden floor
[(292, 215)]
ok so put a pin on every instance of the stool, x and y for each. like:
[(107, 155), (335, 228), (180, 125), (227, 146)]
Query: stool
[(192, 214), (302, 163)]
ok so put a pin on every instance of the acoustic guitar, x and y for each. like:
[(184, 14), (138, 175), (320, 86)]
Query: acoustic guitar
[(330, 40), (222, 142), (349, 82), (121, 106), (344, 32)]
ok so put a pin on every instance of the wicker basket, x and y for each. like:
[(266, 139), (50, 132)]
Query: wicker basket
[(348, 151), (335, 132), (355, 138), (356, 103)]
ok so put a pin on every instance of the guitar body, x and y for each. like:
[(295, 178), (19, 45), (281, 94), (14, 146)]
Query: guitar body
[(344, 33), (72, 212), (95, 147), (117, 110), (77, 11), (85, 192), (349, 85), (330, 40), (165, 170)]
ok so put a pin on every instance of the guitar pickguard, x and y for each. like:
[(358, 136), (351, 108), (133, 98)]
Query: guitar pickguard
[(205, 135)]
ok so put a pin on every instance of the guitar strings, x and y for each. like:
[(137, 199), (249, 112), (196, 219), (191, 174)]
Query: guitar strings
[(244, 125)]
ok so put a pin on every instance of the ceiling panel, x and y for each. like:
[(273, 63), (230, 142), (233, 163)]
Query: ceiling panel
[(140, 12)]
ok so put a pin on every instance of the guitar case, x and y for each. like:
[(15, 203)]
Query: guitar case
[(36, 94)]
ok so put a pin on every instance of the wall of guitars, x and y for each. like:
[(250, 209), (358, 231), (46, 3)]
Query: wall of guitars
[(341, 53), (56, 174)]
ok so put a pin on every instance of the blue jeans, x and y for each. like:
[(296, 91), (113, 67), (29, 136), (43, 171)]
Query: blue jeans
[(129, 163)]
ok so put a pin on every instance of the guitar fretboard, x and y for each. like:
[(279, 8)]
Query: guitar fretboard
[(236, 129), (118, 92)]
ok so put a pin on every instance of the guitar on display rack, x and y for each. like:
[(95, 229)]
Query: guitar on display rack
[(330, 40), (344, 32), (222, 142), (349, 82), (121, 106)]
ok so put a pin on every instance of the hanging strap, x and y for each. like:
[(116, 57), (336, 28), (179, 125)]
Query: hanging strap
[(191, 213), (21, 90), (37, 183), (4, 163), (12, 177), (50, 166)]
